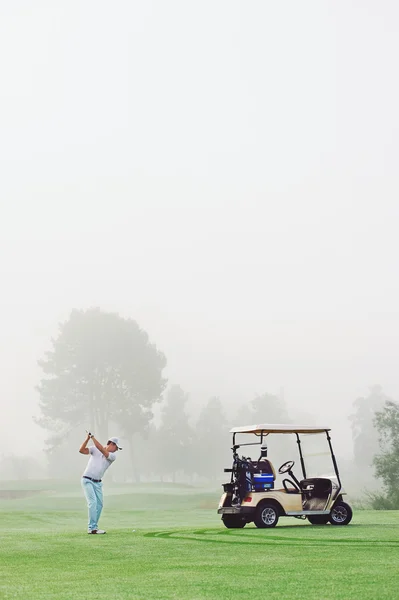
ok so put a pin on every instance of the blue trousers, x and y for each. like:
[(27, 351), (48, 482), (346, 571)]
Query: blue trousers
[(94, 496)]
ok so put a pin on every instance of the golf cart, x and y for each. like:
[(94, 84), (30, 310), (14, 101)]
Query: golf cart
[(251, 495)]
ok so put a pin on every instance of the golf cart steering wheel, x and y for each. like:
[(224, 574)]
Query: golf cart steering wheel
[(286, 467)]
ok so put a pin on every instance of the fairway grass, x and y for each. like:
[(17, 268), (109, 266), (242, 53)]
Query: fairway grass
[(167, 542)]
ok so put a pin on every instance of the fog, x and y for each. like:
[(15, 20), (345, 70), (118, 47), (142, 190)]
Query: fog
[(223, 172)]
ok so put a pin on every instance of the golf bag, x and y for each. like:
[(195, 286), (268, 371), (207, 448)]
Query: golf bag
[(241, 478)]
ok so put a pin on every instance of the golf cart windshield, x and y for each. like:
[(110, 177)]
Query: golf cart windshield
[(316, 458)]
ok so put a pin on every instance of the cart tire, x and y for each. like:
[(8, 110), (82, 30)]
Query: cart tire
[(341, 514), (233, 521), (266, 515), (318, 519)]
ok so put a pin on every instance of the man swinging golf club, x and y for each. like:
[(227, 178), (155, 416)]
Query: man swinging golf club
[(101, 457)]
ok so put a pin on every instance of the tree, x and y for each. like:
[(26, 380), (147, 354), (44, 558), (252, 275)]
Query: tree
[(386, 463), (212, 441), (174, 436), (269, 408), (364, 432), (101, 370), (266, 408), (20, 468)]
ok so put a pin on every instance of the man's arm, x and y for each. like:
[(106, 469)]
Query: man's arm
[(99, 447), (83, 449)]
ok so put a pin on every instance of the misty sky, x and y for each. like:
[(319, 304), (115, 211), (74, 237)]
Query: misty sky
[(224, 172)]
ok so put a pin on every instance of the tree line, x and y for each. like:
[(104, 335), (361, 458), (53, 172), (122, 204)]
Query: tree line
[(375, 426), (103, 372)]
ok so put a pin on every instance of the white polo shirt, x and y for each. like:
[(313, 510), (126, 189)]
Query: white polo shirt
[(98, 464)]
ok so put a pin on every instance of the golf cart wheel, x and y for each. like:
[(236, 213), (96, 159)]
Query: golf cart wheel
[(318, 519), (266, 515), (233, 521), (341, 514)]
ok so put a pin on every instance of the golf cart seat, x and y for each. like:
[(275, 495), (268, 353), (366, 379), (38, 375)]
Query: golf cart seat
[(315, 493), (316, 486)]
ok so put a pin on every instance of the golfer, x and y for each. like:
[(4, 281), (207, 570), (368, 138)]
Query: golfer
[(101, 457)]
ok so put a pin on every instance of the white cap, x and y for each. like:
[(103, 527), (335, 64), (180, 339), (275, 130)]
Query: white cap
[(116, 442)]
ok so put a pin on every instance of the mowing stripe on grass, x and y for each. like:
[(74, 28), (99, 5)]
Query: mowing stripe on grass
[(205, 535)]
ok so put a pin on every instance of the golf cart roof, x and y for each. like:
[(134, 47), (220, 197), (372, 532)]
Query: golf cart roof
[(268, 428)]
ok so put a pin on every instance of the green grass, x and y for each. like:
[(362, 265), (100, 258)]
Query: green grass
[(166, 542)]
